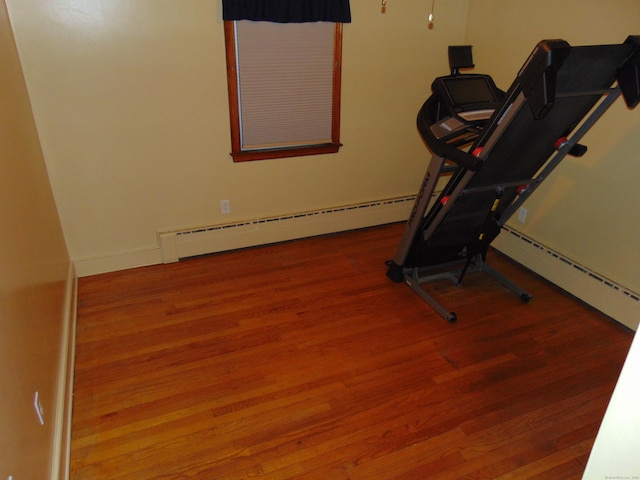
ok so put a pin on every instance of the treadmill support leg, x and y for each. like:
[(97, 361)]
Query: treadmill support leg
[(523, 294), (415, 281)]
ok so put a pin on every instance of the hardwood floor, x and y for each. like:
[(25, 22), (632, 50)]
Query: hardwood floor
[(303, 361)]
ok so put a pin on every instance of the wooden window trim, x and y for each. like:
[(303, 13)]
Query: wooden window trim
[(237, 153)]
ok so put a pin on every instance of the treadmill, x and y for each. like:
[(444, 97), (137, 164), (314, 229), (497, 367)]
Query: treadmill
[(497, 147)]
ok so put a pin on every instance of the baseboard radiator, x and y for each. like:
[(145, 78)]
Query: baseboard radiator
[(190, 242), (595, 289), (602, 293)]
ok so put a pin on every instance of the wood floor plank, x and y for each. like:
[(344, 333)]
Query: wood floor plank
[(302, 361)]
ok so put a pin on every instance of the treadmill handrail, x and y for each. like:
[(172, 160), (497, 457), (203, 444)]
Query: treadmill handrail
[(538, 75)]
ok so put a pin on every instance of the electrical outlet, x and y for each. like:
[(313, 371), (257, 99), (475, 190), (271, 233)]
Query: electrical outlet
[(37, 404), (522, 215), (225, 207)]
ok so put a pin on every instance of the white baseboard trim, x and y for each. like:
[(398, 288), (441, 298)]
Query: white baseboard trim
[(188, 242), (117, 261), (605, 295), (191, 242), (61, 449)]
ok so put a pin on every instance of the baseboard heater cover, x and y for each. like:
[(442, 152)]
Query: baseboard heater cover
[(595, 289), (190, 242)]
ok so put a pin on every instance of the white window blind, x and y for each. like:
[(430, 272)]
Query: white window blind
[(285, 83)]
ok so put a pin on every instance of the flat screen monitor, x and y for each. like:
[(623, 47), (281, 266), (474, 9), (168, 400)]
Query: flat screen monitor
[(466, 92)]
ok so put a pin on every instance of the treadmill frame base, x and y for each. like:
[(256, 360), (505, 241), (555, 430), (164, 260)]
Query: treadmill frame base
[(417, 277)]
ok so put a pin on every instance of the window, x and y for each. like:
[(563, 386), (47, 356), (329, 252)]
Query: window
[(284, 88)]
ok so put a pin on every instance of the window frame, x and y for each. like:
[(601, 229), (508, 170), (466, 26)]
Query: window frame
[(240, 155)]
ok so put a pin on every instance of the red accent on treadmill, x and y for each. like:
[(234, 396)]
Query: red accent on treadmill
[(560, 142)]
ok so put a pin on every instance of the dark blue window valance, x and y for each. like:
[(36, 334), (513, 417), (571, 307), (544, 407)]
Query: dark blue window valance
[(287, 11)]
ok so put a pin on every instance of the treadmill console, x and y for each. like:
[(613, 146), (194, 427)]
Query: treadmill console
[(467, 93), (463, 101)]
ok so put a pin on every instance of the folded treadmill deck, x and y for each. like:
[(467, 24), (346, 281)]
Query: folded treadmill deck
[(500, 147)]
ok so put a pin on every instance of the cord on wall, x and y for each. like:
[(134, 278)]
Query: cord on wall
[(431, 16)]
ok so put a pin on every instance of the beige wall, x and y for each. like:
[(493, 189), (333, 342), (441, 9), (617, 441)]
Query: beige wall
[(587, 209), (130, 99), (34, 279)]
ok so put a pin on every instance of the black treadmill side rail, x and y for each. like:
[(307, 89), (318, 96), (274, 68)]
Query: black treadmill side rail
[(413, 227)]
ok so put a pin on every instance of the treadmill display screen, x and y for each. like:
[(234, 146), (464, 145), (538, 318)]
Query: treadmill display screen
[(469, 91)]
